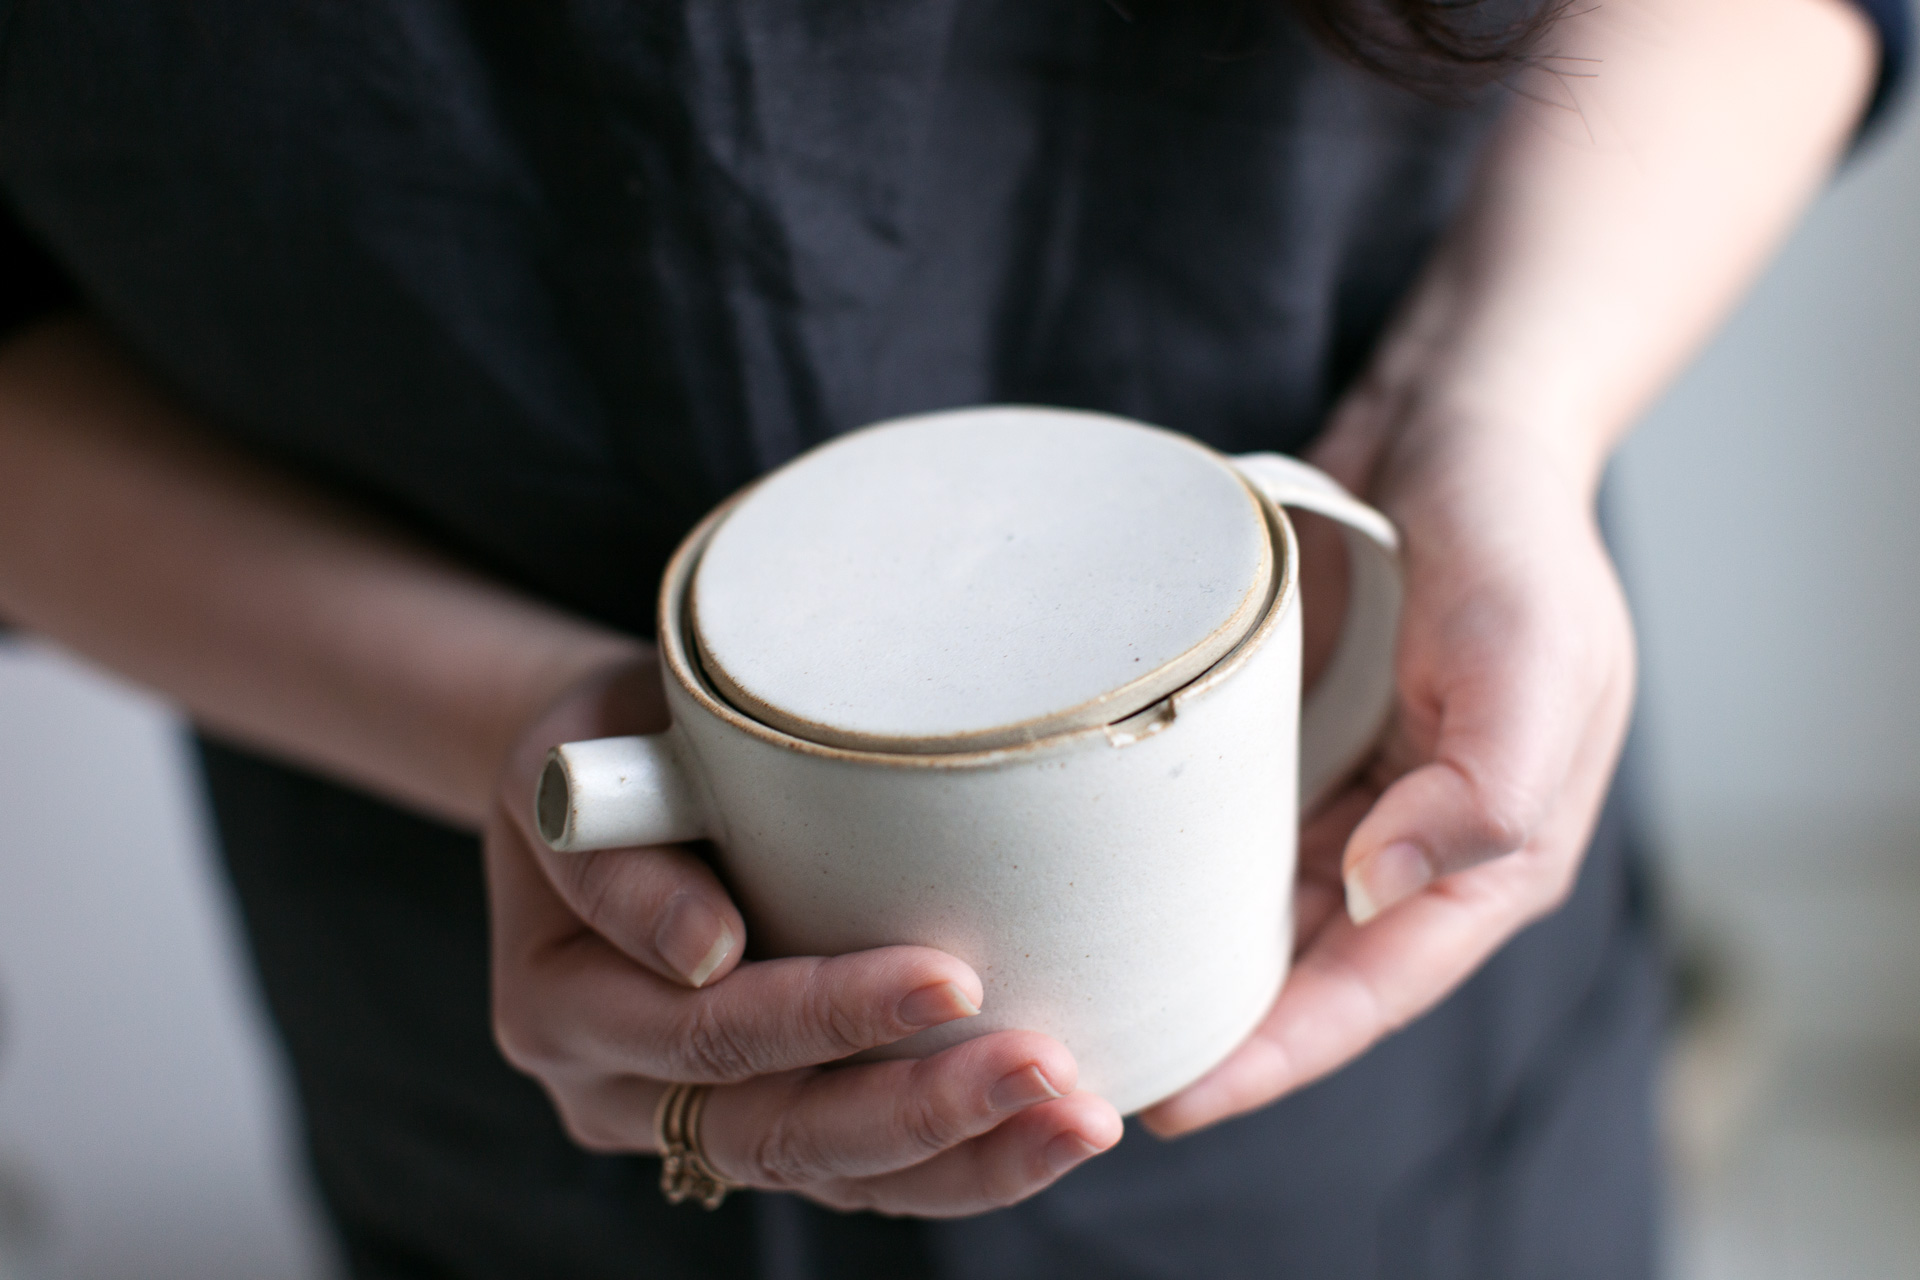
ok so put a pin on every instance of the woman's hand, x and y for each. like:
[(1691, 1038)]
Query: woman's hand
[(1515, 669), (619, 971), (302, 627), (1641, 176)]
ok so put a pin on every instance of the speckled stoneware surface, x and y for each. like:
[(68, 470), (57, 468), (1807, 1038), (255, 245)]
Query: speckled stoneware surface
[(966, 581), (1122, 883)]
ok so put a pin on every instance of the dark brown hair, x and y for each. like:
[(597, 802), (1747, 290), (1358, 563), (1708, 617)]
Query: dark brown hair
[(1437, 47)]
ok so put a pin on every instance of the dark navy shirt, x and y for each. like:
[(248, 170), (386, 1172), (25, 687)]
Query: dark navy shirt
[(548, 281), (1893, 19)]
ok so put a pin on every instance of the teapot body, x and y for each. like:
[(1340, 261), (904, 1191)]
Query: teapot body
[(1125, 889), (1118, 869)]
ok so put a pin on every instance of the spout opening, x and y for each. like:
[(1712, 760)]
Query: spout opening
[(553, 802)]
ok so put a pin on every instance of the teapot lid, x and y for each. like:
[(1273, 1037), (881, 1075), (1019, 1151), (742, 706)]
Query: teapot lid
[(978, 578)]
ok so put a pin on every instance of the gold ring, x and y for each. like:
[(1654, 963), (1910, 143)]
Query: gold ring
[(685, 1173)]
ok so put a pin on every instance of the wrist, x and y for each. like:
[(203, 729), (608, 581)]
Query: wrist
[(1551, 454), (1451, 386), (1406, 446)]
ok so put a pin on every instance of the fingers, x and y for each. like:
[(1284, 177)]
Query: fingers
[(606, 973), (1515, 671), (662, 906), (980, 1125), (859, 1121), (770, 1016), (1357, 984), (1514, 724), (566, 1001), (1353, 985), (1491, 792), (1021, 1157), (596, 1011)]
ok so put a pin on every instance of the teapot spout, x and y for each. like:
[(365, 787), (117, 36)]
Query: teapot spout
[(613, 793)]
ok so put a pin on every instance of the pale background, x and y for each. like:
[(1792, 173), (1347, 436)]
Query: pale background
[(1768, 524)]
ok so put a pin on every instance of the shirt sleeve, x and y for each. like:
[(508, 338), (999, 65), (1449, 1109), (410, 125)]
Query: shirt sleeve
[(1894, 21), (32, 284)]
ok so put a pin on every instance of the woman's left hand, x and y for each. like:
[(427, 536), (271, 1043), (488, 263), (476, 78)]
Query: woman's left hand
[(1612, 220), (1515, 669)]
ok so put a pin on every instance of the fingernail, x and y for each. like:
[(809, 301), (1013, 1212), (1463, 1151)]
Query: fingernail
[(1066, 1151), (692, 938), (1392, 875), (1019, 1089), (931, 1006)]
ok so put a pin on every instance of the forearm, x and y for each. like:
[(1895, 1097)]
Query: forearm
[(265, 611), (1617, 215)]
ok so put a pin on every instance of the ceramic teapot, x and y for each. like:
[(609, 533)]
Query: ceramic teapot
[(1022, 684)]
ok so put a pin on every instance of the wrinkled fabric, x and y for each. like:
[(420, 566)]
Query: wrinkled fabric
[(545, 282), (549, 281)]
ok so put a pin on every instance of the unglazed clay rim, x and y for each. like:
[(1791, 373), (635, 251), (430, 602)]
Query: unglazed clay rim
[(673, 624), (1108, 707)]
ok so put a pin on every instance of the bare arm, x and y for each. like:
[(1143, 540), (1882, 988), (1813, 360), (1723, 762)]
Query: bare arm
[(264, 610), (1611, 225), (1621, 210)]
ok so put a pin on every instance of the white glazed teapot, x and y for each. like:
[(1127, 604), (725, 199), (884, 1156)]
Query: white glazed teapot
[(1022, 684)]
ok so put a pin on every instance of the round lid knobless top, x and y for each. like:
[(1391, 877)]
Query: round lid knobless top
[(975, 579)]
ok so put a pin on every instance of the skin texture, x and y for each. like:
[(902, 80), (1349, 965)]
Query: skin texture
[(1619, 212)]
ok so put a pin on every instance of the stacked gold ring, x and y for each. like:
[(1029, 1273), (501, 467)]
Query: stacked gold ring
[(685, 1173)]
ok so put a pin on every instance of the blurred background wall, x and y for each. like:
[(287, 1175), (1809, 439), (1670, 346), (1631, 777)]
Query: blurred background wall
[(1769, 520)]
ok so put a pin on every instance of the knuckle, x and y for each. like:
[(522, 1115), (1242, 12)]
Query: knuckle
[(585, 1127), (833, 1018), (1363, 1006), (1523, 887), (928, 1124), (514, 1045), (786, 1155), (524, 1041), (1502, 818), (589, 883), (710, 1050)]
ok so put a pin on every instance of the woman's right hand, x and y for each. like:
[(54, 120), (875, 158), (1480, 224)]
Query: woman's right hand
[(618, 972)]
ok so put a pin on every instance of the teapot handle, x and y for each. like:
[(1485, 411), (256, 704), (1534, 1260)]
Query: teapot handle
[(609, 793), (1346, 712)]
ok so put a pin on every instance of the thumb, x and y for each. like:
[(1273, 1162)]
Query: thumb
[(1434, 821), (1498, 764)]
